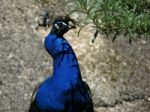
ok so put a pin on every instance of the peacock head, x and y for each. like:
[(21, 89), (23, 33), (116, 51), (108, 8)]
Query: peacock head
[(61, 25)]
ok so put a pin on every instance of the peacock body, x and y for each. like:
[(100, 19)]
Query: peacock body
[(64, 91)]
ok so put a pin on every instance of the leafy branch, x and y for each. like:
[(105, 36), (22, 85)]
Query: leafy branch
[(116, 17)]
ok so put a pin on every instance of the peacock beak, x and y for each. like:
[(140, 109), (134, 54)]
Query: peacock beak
[(72, 27)]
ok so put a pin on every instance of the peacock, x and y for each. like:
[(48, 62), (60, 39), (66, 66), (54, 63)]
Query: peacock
[(64, 90)]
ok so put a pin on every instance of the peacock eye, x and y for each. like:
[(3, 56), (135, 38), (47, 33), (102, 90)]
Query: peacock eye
[(56, 26)]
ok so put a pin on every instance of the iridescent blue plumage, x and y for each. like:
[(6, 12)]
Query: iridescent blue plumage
[(64, 91)]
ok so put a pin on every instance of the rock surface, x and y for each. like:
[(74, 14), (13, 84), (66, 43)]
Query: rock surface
[(118, 73)]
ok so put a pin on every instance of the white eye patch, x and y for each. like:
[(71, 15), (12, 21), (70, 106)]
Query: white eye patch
[(56, 24), (63, 23)]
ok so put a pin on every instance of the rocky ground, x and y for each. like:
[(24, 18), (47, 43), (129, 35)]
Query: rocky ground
[(118, 73)]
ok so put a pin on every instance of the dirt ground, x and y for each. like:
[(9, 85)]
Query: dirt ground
[(118, 73)]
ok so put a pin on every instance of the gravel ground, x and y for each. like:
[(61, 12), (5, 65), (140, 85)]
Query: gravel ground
[(118, 73)]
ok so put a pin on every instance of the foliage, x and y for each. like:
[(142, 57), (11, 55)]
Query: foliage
[(116, 17)]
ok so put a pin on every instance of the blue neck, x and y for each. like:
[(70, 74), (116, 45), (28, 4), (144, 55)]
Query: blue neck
[(65, 62)]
